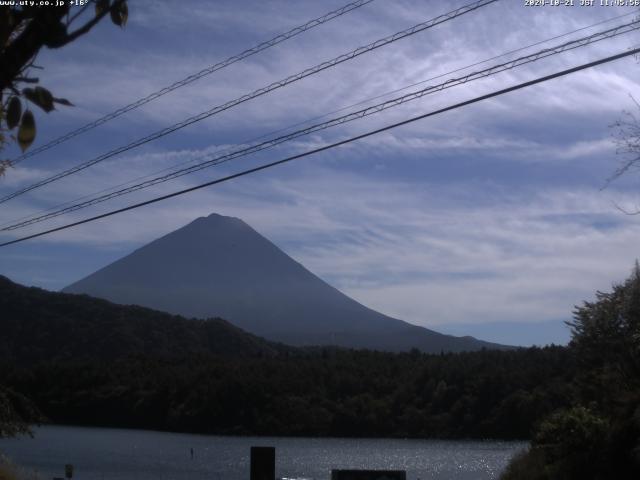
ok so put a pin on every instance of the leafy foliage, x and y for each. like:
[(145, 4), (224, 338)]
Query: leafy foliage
[(599, 436), (27, 130), (10, 471), (14, 112), (606, 336), (572, 441), (526, 465), (24, 31), (16, 413)]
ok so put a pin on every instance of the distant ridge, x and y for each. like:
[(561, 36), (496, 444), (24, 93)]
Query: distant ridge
[(220, 267), (41, 326)]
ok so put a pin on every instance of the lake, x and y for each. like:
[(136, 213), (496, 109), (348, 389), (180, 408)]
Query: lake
[(119, 454)]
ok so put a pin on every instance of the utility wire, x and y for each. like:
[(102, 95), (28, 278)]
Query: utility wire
[(347, 107), (196, 76), (216, 160), (511, 52), (261, 91), (333, 145)]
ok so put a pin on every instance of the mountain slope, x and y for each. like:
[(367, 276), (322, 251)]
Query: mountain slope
[(219, 266), (38, 325)]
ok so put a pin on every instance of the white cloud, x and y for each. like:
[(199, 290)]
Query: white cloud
[(430, 254)]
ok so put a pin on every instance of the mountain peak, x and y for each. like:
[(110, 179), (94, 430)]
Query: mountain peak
[(217, 219), (217, 215), (218, 266)]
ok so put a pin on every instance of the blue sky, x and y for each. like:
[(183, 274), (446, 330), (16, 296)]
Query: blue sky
[(489, 220)]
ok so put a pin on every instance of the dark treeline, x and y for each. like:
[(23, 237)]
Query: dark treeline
[(486, 394)]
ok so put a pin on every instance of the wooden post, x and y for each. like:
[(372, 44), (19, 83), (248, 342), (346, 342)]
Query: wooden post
[(263, 463), (368, 475)]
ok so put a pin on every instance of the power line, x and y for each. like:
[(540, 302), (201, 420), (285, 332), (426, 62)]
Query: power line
[(297, 124), (333, 145), (196, 76), (261, 91), (495, 69), (340, 120), (466, 67)]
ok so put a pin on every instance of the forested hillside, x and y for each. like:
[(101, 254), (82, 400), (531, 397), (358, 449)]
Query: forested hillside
[(38, 325), (336, 393)]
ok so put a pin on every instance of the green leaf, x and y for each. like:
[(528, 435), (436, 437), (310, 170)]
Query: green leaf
[(41, 97), (63, 101), (57, 35), (124, 12), (27, 130), (120, 14), (29, 94), (14, 111), (101, 6), (45, 99)]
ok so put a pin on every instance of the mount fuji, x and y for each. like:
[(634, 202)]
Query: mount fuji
[(219, 266)]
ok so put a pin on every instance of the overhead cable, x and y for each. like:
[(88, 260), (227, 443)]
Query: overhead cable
[(333, 145), (256, 93), (324, 115), (196, 76), (250, 149)]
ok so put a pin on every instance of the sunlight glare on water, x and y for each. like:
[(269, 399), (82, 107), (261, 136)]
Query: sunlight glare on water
[(118, 454)]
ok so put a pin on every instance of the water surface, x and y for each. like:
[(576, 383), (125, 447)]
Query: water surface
[(118, 454)]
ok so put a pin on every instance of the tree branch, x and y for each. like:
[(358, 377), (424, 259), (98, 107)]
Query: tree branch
[(27, 44), (90, 24)]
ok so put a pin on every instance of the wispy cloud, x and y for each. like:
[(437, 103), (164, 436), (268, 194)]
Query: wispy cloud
[(431, 254)]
